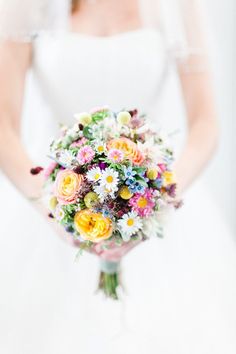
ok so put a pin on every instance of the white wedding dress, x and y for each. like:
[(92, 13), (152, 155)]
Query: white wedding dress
[(180, 291)]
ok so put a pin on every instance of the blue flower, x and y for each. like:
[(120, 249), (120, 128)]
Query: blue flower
[(140, 188), (133, 188), (105, 213), (128, 172), (158, 183), (130, 181)]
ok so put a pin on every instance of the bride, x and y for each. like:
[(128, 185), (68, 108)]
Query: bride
[(180, 291)]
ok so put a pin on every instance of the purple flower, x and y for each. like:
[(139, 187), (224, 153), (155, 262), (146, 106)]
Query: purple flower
[(102, 165)]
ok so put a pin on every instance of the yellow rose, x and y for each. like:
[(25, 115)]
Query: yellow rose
[(92, 226), (67, 186)]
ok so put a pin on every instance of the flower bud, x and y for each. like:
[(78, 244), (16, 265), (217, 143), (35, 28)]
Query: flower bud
[(123, 118), (125, 193), (90, 199), (84, 118), (152, 173), (53, 203)]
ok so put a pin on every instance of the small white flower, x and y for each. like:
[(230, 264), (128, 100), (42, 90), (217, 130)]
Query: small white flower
[(129, 225), (110, 179), (103, 192), (94, 174), (66, 158), (73, 132), (151, 150), (100, 147), (59, 213), (152, 226), (143, 129)]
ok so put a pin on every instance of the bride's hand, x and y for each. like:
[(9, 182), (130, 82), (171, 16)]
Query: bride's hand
[(114, 252), (59, 230)]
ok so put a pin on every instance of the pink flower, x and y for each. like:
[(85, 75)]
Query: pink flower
[(162, 167), (85, 155), (48, 170), (80, 142), (99, 109), (144, 203), (115, 155)]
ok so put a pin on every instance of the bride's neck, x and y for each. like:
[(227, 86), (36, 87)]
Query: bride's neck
[(104, 18)]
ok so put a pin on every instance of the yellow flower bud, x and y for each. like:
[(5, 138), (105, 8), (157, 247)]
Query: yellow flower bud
[(125, 193), (84, 118), (53, 203), (169, 178), (152, 173), (123, 118), (90, 199)]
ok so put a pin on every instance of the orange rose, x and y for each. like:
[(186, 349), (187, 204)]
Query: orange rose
[(129, 148), (93, 226)]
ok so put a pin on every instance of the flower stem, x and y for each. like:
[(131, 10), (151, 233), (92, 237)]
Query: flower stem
[(109, 279)]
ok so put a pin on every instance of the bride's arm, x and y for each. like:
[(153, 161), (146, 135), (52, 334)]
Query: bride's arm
[(197, 86), (15, 60), (202, 136)]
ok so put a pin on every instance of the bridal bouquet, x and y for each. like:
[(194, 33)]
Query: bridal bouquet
[(110, 182)]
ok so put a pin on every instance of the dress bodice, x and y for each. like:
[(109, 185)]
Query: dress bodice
[(76, 72)]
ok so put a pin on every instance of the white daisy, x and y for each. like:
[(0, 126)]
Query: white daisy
[(110, 179), (59, 213), (100, 147), (152, 226), (74, 132), (103, 192), (129, 225), (66, 158), (94, 174)]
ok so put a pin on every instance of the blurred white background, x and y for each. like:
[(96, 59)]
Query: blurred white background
[(221, 173)]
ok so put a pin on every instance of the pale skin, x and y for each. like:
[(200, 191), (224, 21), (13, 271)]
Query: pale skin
[(15, 61)]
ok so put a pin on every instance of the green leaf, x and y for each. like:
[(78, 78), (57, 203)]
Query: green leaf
[(87, 132), (99, 116)]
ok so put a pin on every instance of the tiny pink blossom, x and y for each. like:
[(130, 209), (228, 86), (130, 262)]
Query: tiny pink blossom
[(80, 142), (144, 203), (49, 169), (162, 167), (85, 155), (99, 109), (115, 155)]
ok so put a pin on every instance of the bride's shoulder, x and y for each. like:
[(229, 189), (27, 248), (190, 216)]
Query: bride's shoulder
[(22, 20)]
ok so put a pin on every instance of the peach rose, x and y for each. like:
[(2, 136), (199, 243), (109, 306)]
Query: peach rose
[(92, 226), (67, 185), (129, 148)]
